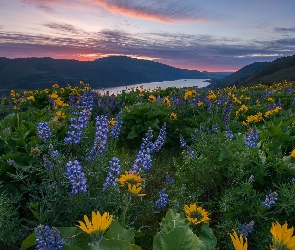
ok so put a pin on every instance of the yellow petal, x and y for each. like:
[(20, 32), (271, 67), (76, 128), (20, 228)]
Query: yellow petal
[(94, 221), (88, 223)]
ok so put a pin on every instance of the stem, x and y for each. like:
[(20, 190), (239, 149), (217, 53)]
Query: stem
[(123, 221)]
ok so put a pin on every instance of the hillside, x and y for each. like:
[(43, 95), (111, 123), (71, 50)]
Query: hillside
[(34, 73), (276, 71), (238, 76)]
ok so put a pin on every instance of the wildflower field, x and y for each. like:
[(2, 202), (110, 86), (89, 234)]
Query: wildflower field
[(171, 168)]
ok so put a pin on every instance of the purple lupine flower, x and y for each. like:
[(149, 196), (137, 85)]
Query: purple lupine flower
[(289, 90), (228, 133), (279, 104), (169, 179), (215, 127), (114, 170), (53, 153), (116, 129), (197, 99), (195, 134), (293, 180), (74, 134), (76, 177), (190, 152), (163, 200), (48, 239), (182, 142), (270, 199), (227, 111), (209, 103), (251, 179), (158, 144), (246, 229), (143, 157), (100, 137), (221, 99), (252, 138), (83, 109), (44, 131), (176, 100)]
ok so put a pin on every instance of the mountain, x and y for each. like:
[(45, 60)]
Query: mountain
[(279, 70), (238, 76), (35, 73), (259, 72)]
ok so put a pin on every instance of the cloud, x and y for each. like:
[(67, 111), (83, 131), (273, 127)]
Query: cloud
[(157, 10), (284, 30), (202, 52)]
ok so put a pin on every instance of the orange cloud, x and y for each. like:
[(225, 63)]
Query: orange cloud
[(165, 13)]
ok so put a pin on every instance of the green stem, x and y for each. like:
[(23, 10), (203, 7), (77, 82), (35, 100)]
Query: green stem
[(123, 221)]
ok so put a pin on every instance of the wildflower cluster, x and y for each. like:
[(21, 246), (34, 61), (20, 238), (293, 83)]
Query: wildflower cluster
[(114, 170), (163, 200), (76, 177), (48, 238), (44, 131), (252, 138), (270, 199)]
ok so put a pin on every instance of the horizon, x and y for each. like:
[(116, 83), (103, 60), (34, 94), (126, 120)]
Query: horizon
[(211, 36)]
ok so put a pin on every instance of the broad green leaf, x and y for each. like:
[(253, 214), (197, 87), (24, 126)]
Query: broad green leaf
[(116, 231), (29, 242), (115, 244), (223, 154), (172, 220), (180, 238), (206, 235), (275, 131)]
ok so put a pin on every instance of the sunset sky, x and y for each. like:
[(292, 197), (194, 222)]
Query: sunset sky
[(212, 35)]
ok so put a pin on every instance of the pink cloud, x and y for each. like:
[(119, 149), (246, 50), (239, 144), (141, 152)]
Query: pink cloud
[(154, 10)]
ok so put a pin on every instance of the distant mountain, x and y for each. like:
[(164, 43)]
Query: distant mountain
[(260, 72), (238, 76), (35, 73), (279, 70)]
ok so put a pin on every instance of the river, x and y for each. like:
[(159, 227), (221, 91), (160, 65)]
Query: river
[(165, 84)]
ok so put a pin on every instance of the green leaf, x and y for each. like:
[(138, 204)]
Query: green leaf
[(223, 154), (29, 242), (115, 244), (132, 134), (275, 131), (116, 231), (172, 220), (207, 236), (180, 238)]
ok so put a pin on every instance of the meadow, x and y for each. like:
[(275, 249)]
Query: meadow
[(174, 168)]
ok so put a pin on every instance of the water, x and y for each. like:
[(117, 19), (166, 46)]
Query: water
[(153, 85)]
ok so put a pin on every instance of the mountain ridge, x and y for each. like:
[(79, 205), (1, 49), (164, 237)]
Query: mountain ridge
[(42, 72)]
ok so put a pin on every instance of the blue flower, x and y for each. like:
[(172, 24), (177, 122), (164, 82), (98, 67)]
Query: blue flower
[(48, 239), (158, 144), (228, 133), (246, 229), (76, 177), (182, 142), (116, 129), (270, 199), (44, 131), (163, 200), (227, 111), (169, 179), (252, 138), (100, 137), (115, 169)]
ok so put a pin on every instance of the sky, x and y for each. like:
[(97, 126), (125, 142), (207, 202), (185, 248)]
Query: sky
[(211, 35)]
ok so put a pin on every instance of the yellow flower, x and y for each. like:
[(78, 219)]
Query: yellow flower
[(130, 178), (60, 116), (55, 86), (140, 94), (112, 122), (99, 223), (239, 242), (31, 98), (53, 95), (293, 153), (152, 98), (200, 104), (173, 116), (282, 236), (167, 101), (135, 189), (196, 215)]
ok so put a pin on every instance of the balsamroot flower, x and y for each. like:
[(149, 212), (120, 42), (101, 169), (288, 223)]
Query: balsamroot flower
[(98, 225), (196, 215), (133, 182), (238, 242), (282, 236)]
